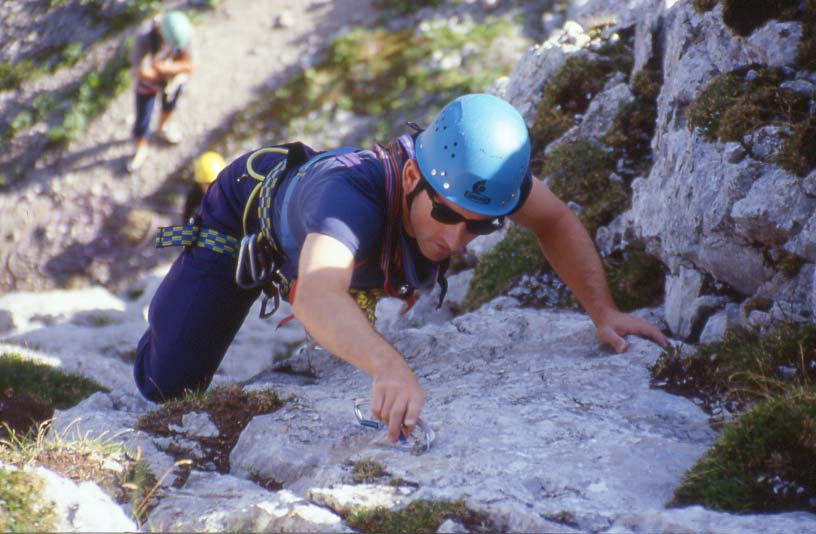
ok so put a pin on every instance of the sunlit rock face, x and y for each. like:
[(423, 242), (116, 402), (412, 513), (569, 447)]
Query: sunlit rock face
[(723, 210), (535, 423)]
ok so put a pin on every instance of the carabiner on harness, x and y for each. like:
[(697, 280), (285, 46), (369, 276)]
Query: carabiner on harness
[(252, 268), (255, 268), (415, 444)]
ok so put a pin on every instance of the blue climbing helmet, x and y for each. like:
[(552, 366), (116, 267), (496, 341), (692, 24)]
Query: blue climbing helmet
[(176, 29), (476, 153)]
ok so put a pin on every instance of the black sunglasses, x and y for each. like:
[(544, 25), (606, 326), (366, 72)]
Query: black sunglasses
[(445, 215)]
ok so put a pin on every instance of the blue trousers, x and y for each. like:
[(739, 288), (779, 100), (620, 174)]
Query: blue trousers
[(144, 109), (198, 308)]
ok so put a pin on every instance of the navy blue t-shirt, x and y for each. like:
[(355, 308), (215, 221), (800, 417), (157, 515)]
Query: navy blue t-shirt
[(342, 197)]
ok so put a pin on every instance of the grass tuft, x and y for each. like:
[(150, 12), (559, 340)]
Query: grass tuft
[(101, 460), (366, 471), (421, 516)]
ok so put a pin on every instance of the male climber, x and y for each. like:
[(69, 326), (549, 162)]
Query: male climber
[(331, 232)]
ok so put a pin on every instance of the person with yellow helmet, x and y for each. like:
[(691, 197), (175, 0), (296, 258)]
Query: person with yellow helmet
[(205, 171), (162, 61)]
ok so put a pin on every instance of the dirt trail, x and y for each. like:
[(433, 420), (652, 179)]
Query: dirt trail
[(63, 222)]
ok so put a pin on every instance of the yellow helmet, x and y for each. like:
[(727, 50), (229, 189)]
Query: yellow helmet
[(207, 167)]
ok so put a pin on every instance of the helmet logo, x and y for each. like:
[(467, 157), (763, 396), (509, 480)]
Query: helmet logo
[(475, 194)]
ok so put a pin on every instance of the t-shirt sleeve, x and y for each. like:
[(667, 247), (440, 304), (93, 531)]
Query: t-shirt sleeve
[(342, 201)]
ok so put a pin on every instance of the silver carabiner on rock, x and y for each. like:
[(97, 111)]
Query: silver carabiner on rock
[(415, 444)]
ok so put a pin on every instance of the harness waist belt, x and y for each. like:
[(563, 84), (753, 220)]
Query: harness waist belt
[(187, 235)]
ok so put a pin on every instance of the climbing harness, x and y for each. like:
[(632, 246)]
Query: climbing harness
[(260, 256), (415, 444), (395, 250)]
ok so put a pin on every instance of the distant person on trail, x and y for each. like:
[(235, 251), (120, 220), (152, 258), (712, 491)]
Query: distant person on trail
[(331, 232), (161, 63), (205, 171)]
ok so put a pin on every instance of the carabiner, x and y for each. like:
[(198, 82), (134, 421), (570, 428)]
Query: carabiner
[(416, 445), (244, 256), (258, 257)]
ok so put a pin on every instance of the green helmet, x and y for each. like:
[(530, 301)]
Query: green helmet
[(176, 29)]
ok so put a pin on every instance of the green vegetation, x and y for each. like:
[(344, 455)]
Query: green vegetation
[(31, 391), (633, 127), (404, 7), (68, 113), (420, 516), (124, 476), (386, 75), (580, 172), (762, 462), (732, 105), (60, 389), (572, 87), (13, 74), (366, 471), (43, 62), (22, 508), (635, 279), (92, 95), (518, 253), (743, 367)]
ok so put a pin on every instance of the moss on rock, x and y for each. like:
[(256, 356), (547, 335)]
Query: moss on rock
[(736, 103), (581, 172), (31, 391), (762, 463), (518, 253), (22, 506), (421, 516), (798, 153), (636, 280), (572, 87), (743, 367)]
